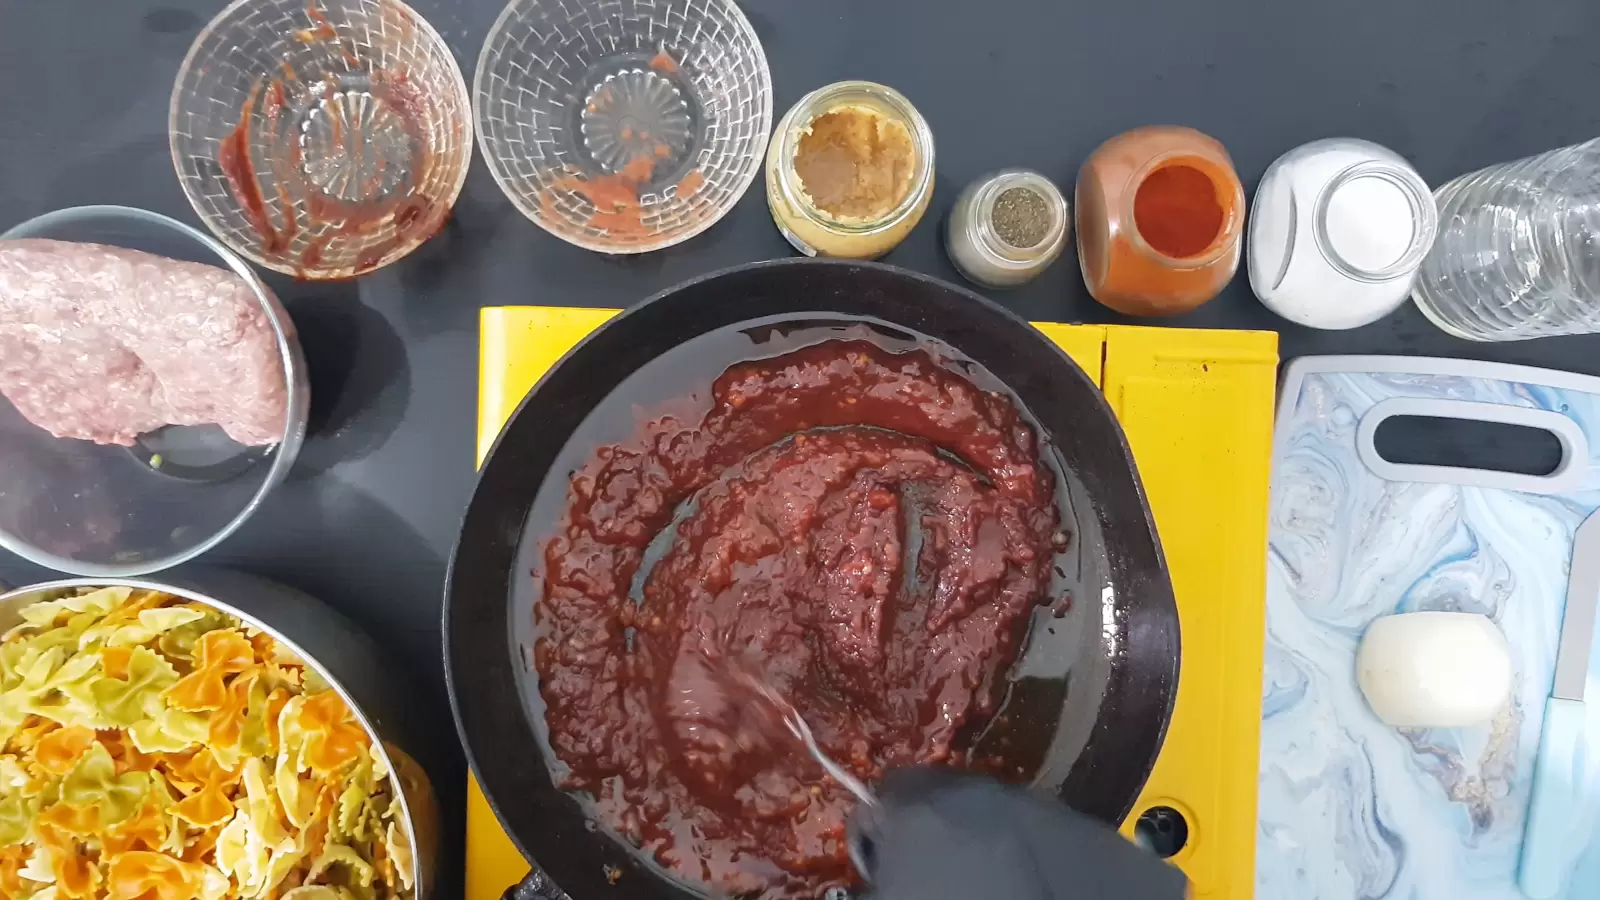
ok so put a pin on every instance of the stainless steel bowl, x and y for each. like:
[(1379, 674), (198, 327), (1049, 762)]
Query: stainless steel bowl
[(346, 658), (116, 512)]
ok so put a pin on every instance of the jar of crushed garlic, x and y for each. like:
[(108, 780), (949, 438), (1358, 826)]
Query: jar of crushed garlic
[(850, 171)]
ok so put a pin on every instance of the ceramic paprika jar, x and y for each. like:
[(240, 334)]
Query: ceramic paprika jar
[(1160, 212)]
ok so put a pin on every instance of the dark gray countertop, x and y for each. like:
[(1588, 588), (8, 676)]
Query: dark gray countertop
[(368, 519)]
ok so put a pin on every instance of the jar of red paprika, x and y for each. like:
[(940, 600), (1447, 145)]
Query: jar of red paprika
[(1159, 214)]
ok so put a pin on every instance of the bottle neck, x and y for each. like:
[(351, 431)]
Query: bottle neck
[(1361, 217)]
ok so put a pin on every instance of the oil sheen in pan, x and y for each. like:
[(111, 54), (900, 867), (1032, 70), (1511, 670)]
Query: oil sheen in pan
[(1057, 682)]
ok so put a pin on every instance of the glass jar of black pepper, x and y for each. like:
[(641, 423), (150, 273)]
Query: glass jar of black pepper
[(1007, 227)]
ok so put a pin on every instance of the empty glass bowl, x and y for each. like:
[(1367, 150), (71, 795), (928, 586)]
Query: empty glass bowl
[(321, 138), (623, 126), (114, 511)]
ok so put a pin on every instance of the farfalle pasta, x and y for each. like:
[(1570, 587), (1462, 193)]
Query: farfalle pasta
[(156, 749)]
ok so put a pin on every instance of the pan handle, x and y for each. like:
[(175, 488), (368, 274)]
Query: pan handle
[(535, 886)]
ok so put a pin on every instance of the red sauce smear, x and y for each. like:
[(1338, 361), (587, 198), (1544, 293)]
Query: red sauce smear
[(836, 549), (690, 183), (324, 27), (233, 156), (615, 198), (663, 62), (282, 169), (323, 30)]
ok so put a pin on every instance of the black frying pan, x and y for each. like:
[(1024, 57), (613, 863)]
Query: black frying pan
[(1093, 690)]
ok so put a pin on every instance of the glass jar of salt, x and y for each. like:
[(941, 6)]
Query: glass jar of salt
[(1006, 228), (1337, 233)]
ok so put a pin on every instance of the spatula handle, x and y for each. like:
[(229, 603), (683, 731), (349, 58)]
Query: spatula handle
[(1557, 775)]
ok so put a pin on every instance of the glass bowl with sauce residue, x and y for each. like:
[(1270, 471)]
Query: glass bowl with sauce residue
[(850, 171), (321, 138), (623, 128)]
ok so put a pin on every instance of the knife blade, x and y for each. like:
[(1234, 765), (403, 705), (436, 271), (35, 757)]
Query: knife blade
[(1559, 769), (1577, 624)]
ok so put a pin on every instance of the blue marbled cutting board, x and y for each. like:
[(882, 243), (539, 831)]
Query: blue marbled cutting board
[(1350, 808)]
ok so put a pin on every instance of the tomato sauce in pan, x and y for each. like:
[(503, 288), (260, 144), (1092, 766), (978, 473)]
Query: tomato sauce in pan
[(867, 531)]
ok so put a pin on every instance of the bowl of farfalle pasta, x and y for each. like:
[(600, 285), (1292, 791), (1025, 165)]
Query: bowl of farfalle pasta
[(156, 744)]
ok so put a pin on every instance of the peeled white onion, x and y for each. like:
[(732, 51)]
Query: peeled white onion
[(1434, 669)]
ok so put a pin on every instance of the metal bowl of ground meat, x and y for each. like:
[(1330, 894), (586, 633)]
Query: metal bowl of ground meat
[(152, 391)]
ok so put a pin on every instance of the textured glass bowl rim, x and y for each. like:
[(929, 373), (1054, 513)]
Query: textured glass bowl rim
[(173, 105), (298, 405), (752, 162), (817, 104)]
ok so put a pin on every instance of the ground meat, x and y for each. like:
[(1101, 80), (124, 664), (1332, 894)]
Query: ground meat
[(104, 344), (867, 532)]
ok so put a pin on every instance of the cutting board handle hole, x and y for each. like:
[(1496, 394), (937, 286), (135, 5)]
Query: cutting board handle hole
[(1472, 444), (1468, 444), (1162, 830)]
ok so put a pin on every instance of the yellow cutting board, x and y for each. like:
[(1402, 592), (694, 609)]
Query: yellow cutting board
[(1197, 407)]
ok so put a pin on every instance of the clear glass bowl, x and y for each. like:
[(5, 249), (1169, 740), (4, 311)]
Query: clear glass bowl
[(321, 138), (112, 511), (623, 126)]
